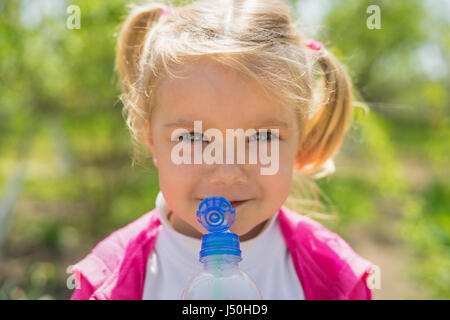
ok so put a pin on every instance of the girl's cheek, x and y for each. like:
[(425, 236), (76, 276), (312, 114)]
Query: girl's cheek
[(282, 178), (182, 173)]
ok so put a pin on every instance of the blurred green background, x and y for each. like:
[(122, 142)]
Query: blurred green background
[(66, 175)]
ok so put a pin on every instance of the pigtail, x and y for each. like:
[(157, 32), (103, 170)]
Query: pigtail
[(129, 50), (131, 41), (325, 130)]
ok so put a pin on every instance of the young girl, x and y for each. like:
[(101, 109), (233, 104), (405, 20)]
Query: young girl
[(231, 65)]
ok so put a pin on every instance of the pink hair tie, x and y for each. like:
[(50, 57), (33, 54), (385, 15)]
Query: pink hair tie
[(314, 44), (166, 10)]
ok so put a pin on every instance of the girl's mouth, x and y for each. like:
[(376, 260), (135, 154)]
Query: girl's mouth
[(236, 204)]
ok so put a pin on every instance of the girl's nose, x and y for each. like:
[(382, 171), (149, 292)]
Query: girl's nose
[(227, 174)]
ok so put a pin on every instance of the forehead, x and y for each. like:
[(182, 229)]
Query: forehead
[(213, 92)]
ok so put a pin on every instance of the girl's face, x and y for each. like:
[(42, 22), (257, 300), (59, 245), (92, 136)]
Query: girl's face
[(221, 99)]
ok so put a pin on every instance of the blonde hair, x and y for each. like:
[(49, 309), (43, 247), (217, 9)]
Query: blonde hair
[(256, 38)]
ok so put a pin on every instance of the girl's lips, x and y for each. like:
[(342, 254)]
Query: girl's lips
[(236, 204)]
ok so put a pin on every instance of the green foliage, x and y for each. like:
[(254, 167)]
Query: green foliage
[(405, 136)]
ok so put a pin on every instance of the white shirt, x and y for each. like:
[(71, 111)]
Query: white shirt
[(174, 260)]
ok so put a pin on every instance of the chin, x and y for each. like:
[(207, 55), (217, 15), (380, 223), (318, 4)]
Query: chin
[(240, 230)]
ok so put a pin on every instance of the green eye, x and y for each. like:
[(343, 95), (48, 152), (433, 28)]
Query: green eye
[(263, 136), (193, 136)]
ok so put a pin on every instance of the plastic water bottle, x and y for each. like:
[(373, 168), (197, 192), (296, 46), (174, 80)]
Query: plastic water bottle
[(220, 278)]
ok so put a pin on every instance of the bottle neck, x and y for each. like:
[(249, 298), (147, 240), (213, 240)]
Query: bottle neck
[(221, 263)]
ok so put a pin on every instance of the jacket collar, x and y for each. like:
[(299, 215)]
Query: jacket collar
[(325, 264)]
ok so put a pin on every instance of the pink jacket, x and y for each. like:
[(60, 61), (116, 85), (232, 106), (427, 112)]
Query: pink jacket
[(326, 265)]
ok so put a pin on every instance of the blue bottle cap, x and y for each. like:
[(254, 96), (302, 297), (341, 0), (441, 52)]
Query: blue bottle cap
[(216, 215)]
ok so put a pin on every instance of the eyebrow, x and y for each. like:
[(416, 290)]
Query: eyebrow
[(180, 123), (272, 123), (265, 123)]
